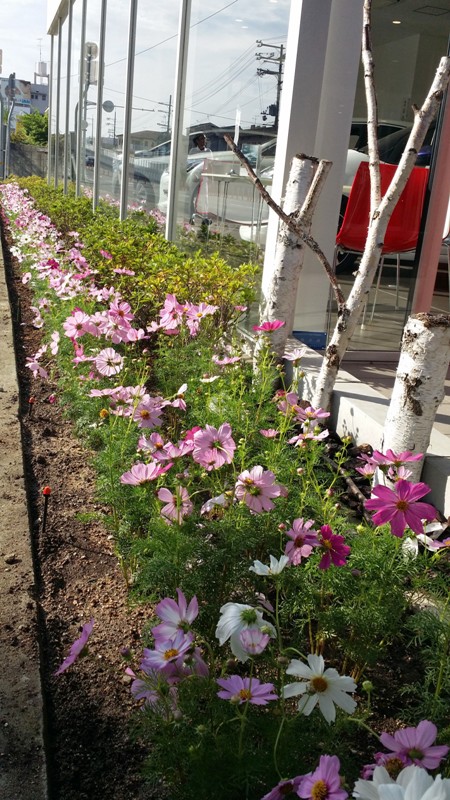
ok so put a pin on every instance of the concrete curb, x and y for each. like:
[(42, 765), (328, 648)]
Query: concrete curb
[(22, 756)]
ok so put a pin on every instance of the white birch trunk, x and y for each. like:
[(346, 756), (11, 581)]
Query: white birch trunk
[(419, 386), (349, 315), (279, 284)]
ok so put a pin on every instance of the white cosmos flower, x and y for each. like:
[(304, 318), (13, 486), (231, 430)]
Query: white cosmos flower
[(410, 545), (237, 617), (413, 783), (276, 566), (321, 686)]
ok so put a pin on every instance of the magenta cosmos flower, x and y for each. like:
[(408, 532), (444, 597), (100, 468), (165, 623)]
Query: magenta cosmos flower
[(415, 745), (177, 506), (214, 447), (268, 327), (400, 508), (324, 783), (256, 487), (284, 789), (246, 690), (333, 547), (77, 647), (394, 459), (108, 362), (175, 615), (303, 539)]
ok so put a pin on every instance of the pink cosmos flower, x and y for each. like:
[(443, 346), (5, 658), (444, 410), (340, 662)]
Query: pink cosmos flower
[(155, 689), (268, 327), (105, 254), (269, 433), (143, 473), (256, 487), (214, 447), (123, 271), (175, 615), (295, 355), (108, 362), (333, 547), (179, 401), (324, 782), (310, 414), (392, 764), (77, 647), (399, 473), (76, 325), (415, 745), (284, 789), (400, 508), (226, 360), (303, 539), (54, 344), (254, 641), (368, 470), (148, 412), (177, 506), (167, 651), (316, 435), (246, 690), (121, 311)]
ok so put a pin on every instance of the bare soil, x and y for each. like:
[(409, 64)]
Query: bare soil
[(90, 752)]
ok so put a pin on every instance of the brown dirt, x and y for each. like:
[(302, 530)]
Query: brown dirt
[(88, 708)]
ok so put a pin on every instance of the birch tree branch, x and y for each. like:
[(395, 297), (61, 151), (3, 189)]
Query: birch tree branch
[(372, 109), (293, 221)]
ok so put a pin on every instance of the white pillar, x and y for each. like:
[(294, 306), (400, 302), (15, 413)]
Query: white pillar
[(322, 59)]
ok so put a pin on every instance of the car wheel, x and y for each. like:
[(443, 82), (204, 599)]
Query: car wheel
[(144, 193), (345, 262)]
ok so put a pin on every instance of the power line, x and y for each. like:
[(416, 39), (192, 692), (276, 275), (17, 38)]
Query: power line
[(175, 35)]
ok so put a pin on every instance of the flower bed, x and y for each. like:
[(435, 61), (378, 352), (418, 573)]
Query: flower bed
[(226, 513)]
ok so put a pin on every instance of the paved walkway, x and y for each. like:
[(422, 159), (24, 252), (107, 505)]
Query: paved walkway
[(22, 760)]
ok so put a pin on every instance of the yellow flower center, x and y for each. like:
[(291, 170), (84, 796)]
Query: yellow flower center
[(319, 684), (402, 505), (245, 694), (168, 654), (393, 767), (145, 414), (319, 791)]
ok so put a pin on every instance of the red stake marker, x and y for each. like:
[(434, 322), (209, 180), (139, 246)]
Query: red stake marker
[(46, 491), (31, 402)]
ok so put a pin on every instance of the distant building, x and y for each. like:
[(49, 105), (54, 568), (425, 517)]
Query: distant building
[(144, 140), (39, 97), (22, 98)]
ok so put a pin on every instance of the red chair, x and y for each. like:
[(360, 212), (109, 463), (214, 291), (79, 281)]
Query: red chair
[(403, 229)]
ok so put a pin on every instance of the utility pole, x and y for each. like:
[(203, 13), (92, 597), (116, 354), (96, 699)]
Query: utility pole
[(273, 109), (168, 122)]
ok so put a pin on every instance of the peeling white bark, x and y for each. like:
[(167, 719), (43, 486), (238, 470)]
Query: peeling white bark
[(280, 283), (349, 315), (419, 386)]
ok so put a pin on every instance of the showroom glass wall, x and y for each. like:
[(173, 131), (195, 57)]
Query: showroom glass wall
[(226, 46), (409, 39), (223, 93)]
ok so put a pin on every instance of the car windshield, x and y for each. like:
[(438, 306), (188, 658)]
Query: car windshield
[(391, 148)]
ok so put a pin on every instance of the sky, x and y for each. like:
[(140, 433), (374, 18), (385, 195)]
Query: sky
[(221, 77), (23, 29)]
